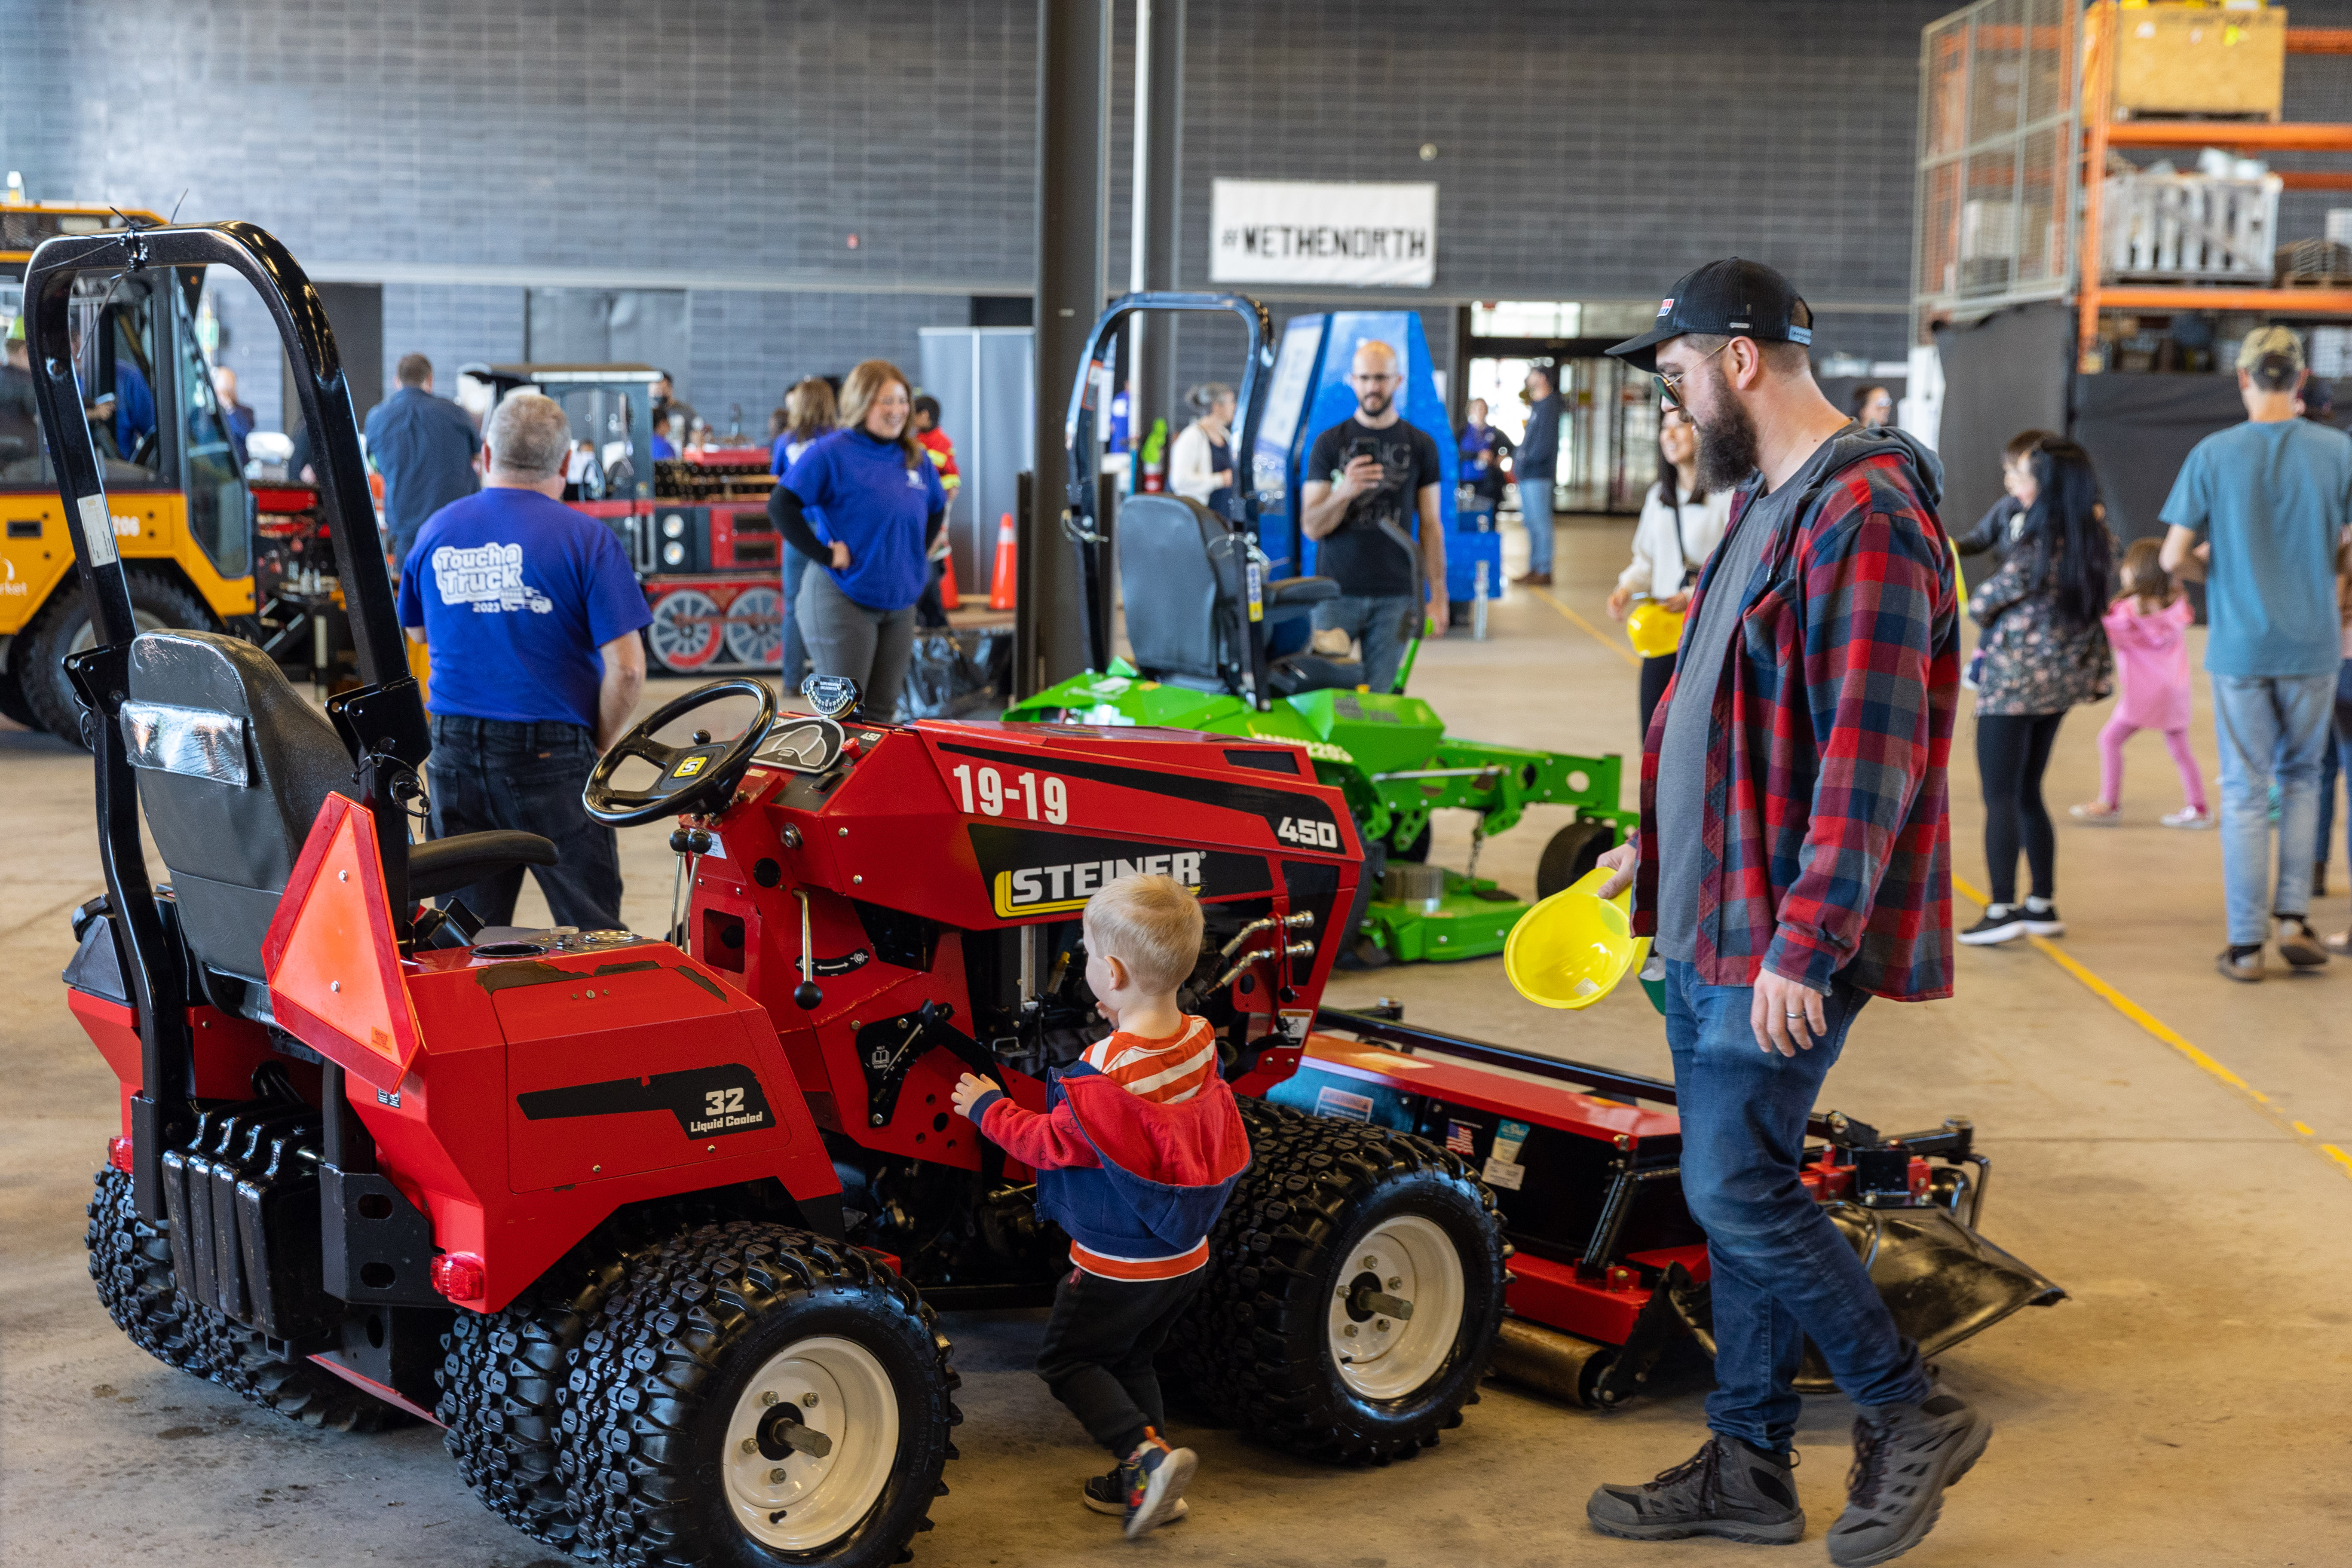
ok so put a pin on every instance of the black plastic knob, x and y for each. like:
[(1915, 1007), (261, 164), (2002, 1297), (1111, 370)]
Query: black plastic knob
[(806, 996)]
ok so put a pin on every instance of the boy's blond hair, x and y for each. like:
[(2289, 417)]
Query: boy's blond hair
[(1151, 924)]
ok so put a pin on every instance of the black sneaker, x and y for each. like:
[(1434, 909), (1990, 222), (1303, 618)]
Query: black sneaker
[(1108, 1494), (1904, 1458), (2043, 921), (2002, 922), (1155, 1476), (2298, 943), (1727, 1489)]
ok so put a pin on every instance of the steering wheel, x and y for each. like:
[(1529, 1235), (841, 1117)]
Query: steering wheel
[(698, 777)]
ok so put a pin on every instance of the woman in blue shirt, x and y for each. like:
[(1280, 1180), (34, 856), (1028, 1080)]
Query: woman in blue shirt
[(880, 505)]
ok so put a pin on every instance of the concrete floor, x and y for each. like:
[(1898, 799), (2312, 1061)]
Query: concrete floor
[(2186, 1407)]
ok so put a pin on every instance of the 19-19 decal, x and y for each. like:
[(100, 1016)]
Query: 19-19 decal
[(994, 794)]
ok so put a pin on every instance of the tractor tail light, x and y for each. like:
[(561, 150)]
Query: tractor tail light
[(117, 1154), (458, 1275)]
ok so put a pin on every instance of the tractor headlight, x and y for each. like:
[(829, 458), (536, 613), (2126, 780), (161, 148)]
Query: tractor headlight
[(673, 526), (673, 554)]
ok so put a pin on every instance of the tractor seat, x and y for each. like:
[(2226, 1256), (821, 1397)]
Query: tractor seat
[(1183, 576), (234, 765)]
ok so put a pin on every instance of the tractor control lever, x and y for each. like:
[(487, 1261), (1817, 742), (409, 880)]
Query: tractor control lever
[(688, 846), (807, 996)]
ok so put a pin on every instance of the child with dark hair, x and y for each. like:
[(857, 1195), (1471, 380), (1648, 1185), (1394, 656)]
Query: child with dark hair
[(2000, 524), (2147, 628)]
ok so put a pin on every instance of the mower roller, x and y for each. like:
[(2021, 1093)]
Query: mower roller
[(1202, 620), (655, 1230)]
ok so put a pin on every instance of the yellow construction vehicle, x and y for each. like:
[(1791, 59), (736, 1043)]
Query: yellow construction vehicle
[(183, 516)]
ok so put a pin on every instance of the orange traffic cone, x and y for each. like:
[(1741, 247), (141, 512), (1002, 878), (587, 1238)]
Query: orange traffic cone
[(948, 598), (1000, 586)]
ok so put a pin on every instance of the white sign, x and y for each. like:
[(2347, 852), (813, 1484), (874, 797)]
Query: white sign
[(1311, 231)]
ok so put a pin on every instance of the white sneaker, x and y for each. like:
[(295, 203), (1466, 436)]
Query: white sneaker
[(2187, 816), (2096, 811)]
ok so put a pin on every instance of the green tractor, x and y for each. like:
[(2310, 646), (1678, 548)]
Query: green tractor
[(1201, 618)]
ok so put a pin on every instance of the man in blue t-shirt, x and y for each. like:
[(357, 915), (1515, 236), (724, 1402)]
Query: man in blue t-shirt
[(424, 446), (2258, 511), (532, 614)]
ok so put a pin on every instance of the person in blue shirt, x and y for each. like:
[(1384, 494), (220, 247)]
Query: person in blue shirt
[(810, 414), (881, 505), (424, 446), (235, 415), (662, 451), (1533, 468), (2258, 511), (531, 612)]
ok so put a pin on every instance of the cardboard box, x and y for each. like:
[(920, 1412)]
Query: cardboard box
[(2200, 59)]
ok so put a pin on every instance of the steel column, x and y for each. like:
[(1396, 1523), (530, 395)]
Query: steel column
[(1159, 125)]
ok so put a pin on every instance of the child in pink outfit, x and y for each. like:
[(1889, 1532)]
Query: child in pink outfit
[(2147, 628)]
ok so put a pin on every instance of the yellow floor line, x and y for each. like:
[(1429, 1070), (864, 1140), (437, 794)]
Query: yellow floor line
[(2171, 1037), (1614, 645), (2059, 956)]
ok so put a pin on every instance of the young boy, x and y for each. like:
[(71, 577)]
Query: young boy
[(1135, 1152)]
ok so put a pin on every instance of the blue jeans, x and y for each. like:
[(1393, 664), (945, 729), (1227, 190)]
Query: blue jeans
[(796, 651), (491, 773), (1385, 623), (1780, 1272), (2259, 720), (1535, 508)]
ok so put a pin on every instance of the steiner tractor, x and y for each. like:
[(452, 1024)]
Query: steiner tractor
[(1203, 622), (655, 1229)]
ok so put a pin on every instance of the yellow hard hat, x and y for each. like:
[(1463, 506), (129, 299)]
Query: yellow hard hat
[(1570, 950), (1655, 630)]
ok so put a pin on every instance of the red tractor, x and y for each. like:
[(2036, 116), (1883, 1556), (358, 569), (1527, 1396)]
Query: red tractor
[(655, 1229)]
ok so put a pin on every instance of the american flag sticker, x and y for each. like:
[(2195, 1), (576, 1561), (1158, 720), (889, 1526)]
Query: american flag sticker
[(1461, 1138)]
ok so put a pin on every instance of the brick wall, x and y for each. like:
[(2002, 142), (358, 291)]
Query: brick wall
[(1584, 151)]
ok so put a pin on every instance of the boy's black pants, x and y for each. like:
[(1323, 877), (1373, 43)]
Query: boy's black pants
[(1099, 1344)]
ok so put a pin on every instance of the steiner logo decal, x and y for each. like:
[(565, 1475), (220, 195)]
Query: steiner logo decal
[(707, 1101), (1033, 873)]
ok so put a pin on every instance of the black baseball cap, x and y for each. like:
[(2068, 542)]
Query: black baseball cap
[(1729, 299)]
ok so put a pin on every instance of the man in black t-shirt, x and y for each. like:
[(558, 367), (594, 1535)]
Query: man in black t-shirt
[(1375, 477)]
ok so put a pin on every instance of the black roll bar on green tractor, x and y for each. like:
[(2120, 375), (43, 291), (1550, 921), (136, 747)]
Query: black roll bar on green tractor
[(1078, 518), (382, 722)]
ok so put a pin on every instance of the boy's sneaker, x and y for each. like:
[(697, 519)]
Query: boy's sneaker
[(1156, 1476), (1904, 1458), (1108, 1494), (2097, 811), (2298, 943), (2045, 920), (1727, 1489), (2002, 922), (2187, 817), (2242, 964)]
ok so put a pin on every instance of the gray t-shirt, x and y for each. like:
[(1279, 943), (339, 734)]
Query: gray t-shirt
[(1682, 747)]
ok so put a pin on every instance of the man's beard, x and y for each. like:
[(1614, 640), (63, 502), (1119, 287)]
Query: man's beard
[(1373, 404), (1727, 443)]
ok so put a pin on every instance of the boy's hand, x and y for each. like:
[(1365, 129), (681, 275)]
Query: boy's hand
[(971, 1087)]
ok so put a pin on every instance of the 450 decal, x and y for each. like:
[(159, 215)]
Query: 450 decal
[(1312, 835)]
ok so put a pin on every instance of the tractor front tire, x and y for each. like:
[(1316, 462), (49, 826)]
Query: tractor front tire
[(710, 1357), (131, 1263), (1331, 1216), (1573, 851), (501, 1378)]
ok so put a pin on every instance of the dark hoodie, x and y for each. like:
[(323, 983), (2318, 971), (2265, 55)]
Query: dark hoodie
[(1826, 830)]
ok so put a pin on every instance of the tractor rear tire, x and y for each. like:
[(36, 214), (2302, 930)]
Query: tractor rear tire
[(1289, 1275), (667, 1448), (500, 1377), (130, 1263), (38, 660), (242, 1362), (1573, 851), (12, 701)]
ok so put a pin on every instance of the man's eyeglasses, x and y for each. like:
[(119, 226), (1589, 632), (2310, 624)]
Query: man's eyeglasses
[(1670, 387), (1374, 380)]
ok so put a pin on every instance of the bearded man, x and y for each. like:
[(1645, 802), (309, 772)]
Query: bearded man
[(1794, 860)]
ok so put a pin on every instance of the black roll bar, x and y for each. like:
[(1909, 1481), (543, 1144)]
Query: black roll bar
[(1078, 518), (382, 722)]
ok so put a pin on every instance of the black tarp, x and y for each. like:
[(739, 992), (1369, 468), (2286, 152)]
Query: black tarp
[(2138, 430), (2002, 374), (958, 674)]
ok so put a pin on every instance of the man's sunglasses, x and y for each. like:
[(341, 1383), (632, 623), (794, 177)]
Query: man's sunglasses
[(1670, 387)]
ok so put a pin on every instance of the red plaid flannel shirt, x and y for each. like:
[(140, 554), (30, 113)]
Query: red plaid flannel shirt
[(1827, 821)]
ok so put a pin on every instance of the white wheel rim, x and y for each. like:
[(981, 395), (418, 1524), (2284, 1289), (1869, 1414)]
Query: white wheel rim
[(145, 620), (685, 632), (1383, 1357), (836, 1387), (755, 627)]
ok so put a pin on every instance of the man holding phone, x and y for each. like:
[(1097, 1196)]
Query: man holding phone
[(1380, 486)]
